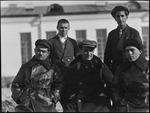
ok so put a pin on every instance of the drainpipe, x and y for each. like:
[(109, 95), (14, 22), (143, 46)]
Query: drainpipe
[(40, 26)]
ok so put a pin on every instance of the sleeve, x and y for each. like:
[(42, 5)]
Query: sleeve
[(117, 90), (58, 83), (108, 52), (17, 85)]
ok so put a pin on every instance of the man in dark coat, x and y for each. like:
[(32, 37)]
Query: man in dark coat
[(113, 54), (38, 84), (88, 82), (63, 48), (131, 82)]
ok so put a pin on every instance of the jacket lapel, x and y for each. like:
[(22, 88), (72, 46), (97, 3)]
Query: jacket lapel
[(57, 44)]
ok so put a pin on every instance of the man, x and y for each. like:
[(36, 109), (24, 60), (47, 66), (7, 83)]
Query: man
[(63, 48), (88, 82), (131, 82), (113, 54), (38, 84)]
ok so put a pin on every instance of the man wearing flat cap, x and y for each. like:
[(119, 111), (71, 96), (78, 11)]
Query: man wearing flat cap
[(38, 84), (113, 54), (88, 82), (131, 82)]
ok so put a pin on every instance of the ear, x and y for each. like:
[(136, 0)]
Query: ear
[(140, 51)]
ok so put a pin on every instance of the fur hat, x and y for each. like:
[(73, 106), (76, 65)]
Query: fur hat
[(133, 42)]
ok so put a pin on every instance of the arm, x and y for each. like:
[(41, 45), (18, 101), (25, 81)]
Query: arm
[(18, 85), (108, 52)]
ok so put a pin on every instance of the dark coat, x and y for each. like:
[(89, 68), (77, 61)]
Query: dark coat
[(114, 55), (84, 84), (61, 56), (32, 91), (131, 85)]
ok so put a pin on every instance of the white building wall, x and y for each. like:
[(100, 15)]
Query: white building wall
[(11, 29)]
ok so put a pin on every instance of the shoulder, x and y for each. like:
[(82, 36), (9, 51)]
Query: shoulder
[(72, 40), (132, 29), (54, 38), (97, 62)]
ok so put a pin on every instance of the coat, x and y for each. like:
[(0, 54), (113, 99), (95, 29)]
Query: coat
[(131, 86), (32, 91), (85, 82), (114, 55), (61, 56)]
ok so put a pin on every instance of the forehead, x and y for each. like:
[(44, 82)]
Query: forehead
[(63, 24), (122, 12), (41, 47)]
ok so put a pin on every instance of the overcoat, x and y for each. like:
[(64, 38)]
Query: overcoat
[(114, 55), (85, 84), (131, 86), (35, 91)]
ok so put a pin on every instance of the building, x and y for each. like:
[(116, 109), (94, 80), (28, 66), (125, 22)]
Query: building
[(22, 26)]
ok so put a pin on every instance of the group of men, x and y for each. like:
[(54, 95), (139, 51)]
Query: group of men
[(79, 80)]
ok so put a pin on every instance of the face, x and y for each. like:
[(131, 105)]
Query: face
[(121, 18), (63, 29), (132, 53), (87, 53), (41, 53)]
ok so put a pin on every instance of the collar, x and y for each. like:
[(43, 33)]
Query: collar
[(63, 37), (141, 63)]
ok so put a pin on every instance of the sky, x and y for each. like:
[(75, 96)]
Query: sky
[(48, 2)]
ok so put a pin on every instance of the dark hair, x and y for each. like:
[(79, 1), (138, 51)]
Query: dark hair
[(120, 8), (62, 21)]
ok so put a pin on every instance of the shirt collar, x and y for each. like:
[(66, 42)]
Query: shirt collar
[(62, 37)]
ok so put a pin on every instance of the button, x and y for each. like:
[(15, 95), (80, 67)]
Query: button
[(62, 59), (68, 59), (80, 83), (79, 100)]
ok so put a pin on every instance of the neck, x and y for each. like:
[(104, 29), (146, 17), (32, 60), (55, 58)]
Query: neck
[(122, 26)]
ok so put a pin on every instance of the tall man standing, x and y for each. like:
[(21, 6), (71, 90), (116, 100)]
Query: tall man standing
[(63, 48), (113, 55)]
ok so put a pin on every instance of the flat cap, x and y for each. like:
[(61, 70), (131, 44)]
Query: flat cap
[(119, 8), (89, 43), (133, 42), (43, 42)]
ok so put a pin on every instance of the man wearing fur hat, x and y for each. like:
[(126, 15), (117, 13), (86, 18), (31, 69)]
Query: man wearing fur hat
[(113, 54), (88, 82), (131, 82), (38, 84)]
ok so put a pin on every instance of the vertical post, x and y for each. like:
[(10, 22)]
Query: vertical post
[(40, 26)]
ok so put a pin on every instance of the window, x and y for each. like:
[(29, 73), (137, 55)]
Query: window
[(50, 34), (145, 35), (101, 40), (80, 35), (26, 51)]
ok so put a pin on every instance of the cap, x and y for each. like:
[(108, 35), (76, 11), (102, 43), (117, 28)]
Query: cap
[(119, 8), (43, 42), (89, 43), (133, 42)]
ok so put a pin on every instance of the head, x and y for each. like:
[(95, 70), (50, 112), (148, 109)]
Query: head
[(120, 14), (42, 49), (63, 27), (132, 49), (87, 49)]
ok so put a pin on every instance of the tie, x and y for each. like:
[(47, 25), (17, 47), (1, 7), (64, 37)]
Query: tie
[(120, 32)]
